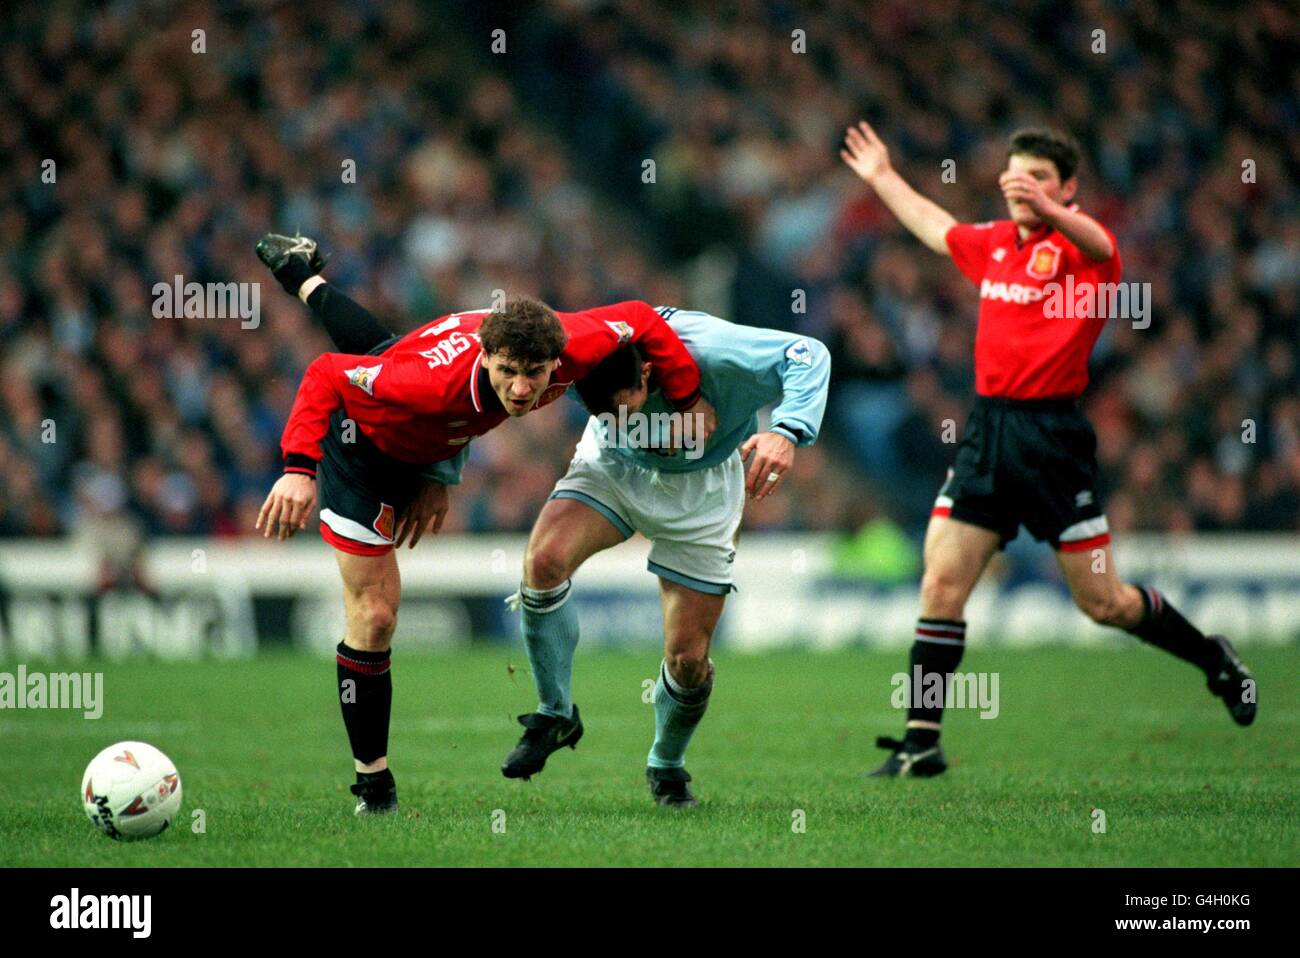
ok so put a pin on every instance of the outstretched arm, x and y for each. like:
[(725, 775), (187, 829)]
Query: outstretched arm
[(867, 156)]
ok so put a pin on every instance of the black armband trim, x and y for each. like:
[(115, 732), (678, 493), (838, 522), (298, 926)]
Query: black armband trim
[(300, 462), (799, 434)]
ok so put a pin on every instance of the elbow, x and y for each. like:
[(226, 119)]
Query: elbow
[(821, 358), (1103, 251)]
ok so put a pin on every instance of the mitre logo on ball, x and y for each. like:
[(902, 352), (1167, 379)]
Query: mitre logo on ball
[(131, 790)]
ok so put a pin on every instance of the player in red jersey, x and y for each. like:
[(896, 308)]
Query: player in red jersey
[(382, 434), (1027, 455)]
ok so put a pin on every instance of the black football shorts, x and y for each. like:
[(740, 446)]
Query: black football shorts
[(1030, 463), (362, 491)]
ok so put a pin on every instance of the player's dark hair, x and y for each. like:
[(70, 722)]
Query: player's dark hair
[(526, 330), (1048, 145), (621, 369)]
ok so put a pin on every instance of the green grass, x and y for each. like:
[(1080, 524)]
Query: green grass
[(261, 750)]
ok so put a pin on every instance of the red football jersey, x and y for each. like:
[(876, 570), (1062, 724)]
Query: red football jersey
[(427, 395), (1021, 352)]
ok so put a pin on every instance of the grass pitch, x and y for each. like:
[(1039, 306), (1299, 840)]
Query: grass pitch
[(262, 752)]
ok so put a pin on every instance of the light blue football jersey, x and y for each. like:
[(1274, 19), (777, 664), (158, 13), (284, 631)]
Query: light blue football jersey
[(742, 370)]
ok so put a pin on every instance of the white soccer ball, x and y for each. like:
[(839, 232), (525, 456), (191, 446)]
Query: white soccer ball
[(131, 790)]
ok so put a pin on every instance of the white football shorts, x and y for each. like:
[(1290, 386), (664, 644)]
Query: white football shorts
[(690, 518)]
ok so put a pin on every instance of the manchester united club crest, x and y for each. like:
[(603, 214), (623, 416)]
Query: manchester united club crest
[(1044, 260), (386, 521)]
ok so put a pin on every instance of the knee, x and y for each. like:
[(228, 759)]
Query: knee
[(943, 594), (1104, 608), (689, 664), (545, 566), (377, 618)]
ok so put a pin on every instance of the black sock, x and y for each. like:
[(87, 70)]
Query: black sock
[(937, 650), (382, 777), (1164, 627), (366, 695), (352, 327)]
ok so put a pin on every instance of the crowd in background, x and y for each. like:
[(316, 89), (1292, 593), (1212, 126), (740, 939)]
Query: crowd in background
[(524, 170)]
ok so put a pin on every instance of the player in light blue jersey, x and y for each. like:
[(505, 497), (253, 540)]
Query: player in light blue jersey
[(638, 469)]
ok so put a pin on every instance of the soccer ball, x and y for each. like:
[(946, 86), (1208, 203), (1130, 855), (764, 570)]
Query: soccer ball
[(131, 790)]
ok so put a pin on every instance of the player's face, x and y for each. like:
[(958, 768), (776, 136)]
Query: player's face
[(518, 384), (1045, 172), (634, 399)]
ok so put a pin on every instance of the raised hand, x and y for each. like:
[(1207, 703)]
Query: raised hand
[(1023, 188), (864, 153)]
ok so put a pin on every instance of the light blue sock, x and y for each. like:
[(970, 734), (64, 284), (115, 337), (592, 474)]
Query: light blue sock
[(677, 712), (550, 625)]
